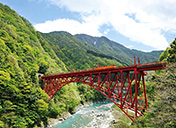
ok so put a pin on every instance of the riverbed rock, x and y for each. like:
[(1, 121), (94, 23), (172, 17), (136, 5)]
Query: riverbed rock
[(114, 122), (73, 126), (66, 115), (60, 119)]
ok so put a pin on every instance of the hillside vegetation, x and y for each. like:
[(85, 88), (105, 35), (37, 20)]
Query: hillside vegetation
[(118, 51), (161, 94), (75, 53), (23, 54)]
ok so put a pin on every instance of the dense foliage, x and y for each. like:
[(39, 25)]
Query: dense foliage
[(23, 54), (161, 94), (172, 52)]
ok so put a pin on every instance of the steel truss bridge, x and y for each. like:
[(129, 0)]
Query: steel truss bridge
[(113, 82)]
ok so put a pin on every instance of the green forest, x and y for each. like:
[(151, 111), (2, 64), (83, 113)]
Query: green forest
[(25, 52), (161, 94)]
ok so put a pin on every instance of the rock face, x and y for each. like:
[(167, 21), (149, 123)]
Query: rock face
[(54, 122), (66, 115)]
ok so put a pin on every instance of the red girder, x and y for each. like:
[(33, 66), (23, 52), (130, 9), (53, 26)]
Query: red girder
[(113, 82)]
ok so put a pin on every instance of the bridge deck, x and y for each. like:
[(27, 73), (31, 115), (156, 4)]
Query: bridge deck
[(140, 67)]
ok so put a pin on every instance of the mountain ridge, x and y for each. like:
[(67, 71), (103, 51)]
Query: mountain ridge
[(117, 50), (75, 53)]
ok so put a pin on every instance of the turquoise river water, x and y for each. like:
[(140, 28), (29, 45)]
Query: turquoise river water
[(85, 116)]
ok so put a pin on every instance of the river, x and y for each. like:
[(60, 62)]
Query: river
[(93, 116)]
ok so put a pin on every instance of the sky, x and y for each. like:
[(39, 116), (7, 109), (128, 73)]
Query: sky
[(137, 24)]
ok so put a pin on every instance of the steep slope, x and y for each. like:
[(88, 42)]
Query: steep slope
[(161, 88), (117, 50), (75, 53), (23, 54)]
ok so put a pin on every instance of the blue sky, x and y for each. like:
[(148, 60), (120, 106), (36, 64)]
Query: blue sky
[(143, 25)]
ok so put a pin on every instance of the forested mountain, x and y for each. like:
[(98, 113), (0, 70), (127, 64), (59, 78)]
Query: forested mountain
[(76, 53), (118, 51), (23, 54)]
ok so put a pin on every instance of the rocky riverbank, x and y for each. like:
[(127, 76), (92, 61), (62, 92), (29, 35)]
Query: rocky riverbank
[(99, 116), (101, 119), (54, 122), (65, 116), (108, 119)]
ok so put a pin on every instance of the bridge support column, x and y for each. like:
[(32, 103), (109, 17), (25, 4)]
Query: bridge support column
[(136, 91), (145, 94)]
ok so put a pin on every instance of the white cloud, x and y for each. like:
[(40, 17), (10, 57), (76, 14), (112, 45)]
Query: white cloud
[(81, 6), (72, 26), (150, 19)]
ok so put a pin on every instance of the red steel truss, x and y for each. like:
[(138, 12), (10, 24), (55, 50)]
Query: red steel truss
[(113, 82)]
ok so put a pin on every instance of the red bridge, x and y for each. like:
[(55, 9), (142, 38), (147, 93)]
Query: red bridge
[(113, 82)]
